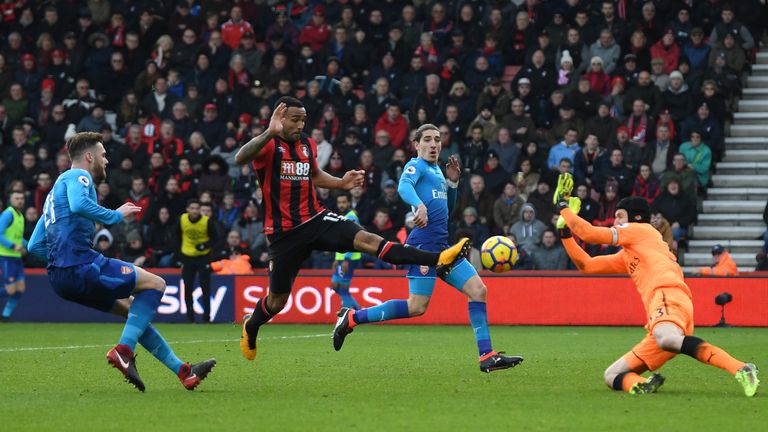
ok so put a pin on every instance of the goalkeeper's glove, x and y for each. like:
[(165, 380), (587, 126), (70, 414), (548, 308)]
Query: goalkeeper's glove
[(563, 191), (573, 203)]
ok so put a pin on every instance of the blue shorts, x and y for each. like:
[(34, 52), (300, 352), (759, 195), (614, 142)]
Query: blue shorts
[(95, 285), (11, 270), (421, 279), (341, 278)]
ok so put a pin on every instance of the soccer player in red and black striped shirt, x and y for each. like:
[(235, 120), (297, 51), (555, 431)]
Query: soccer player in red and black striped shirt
[(296, 223)]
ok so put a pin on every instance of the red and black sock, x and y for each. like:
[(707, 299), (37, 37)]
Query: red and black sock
[(261, 314), (395, 253)]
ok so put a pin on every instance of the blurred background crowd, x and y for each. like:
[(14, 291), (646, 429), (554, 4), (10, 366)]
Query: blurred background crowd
[(632, 97)]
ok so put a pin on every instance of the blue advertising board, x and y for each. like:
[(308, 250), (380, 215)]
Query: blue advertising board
[(41, 304)]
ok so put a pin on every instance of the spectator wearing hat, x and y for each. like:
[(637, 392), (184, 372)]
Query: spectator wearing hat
[(607, 49), (494, 174), (727, 79), (599, 80), (629, 69), (710, 128), (40, 109), (212, 128), (730, 25), (394, 123), (678, 208), (544, 44), (557, 28), (395, 46), (28, 75), (494, 94), (696, 51), (646, 91), (668, 50), (722, 263), (677, 98), (566, 74), (698, 155), (316, 32)]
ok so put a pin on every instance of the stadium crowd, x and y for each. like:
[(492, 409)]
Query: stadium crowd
[(632, 97)]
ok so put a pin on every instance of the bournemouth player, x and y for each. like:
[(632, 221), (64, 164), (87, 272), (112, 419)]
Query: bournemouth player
[(659, 280), (296, 223), (64, 236), (423, 186), (12, 246), (345, 263)]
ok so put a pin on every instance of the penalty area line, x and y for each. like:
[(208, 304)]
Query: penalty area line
[(186, 342)]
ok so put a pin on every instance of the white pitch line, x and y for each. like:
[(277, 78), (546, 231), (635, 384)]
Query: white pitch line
[(198, 341)]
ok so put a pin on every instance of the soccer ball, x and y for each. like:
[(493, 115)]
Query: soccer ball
[(498, 254)]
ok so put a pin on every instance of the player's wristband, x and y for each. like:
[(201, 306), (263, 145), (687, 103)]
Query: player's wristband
[(451, 184), (562, 203), (565, 233)]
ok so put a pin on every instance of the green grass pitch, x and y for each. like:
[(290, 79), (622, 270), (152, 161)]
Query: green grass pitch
[(410, 378)]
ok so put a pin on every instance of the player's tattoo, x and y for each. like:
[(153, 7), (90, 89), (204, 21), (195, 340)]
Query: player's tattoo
[(252, 148)]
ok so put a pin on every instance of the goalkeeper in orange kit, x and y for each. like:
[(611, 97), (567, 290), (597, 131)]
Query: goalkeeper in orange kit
[(659, 280)]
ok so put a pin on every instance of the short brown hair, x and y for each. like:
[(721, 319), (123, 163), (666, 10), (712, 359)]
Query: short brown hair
[(423, 128), (80, 142)]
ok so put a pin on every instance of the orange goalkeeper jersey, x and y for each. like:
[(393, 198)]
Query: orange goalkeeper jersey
[(644, 255)]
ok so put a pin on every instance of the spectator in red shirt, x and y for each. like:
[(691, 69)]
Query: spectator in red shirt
[(317, 32), (667, 49), (394, 123), (232, 31), (139, 195), (167, 144)]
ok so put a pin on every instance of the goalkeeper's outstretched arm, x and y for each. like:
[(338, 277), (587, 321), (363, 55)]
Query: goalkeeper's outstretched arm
[(605, 264), (586, 231)]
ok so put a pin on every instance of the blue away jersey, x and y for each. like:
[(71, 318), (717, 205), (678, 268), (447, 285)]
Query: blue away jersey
[(64, 233), (423, 183)]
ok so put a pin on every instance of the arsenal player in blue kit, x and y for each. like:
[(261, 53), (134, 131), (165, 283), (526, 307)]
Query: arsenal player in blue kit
[(296, 223)]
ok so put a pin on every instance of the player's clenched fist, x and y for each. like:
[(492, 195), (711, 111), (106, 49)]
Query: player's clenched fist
[(353, 179)]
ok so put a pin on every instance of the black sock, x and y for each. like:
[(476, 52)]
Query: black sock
[(691, 345), (395, 253), (261, 315), (618, 381)]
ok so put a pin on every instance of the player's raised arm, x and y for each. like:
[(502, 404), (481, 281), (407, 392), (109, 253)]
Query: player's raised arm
[(38, 244), (604, 264), (580, 227), (453, 175), (252, 148)]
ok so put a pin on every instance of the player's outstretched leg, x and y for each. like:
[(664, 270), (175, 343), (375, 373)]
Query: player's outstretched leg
[(745, 373), (396, 253)]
